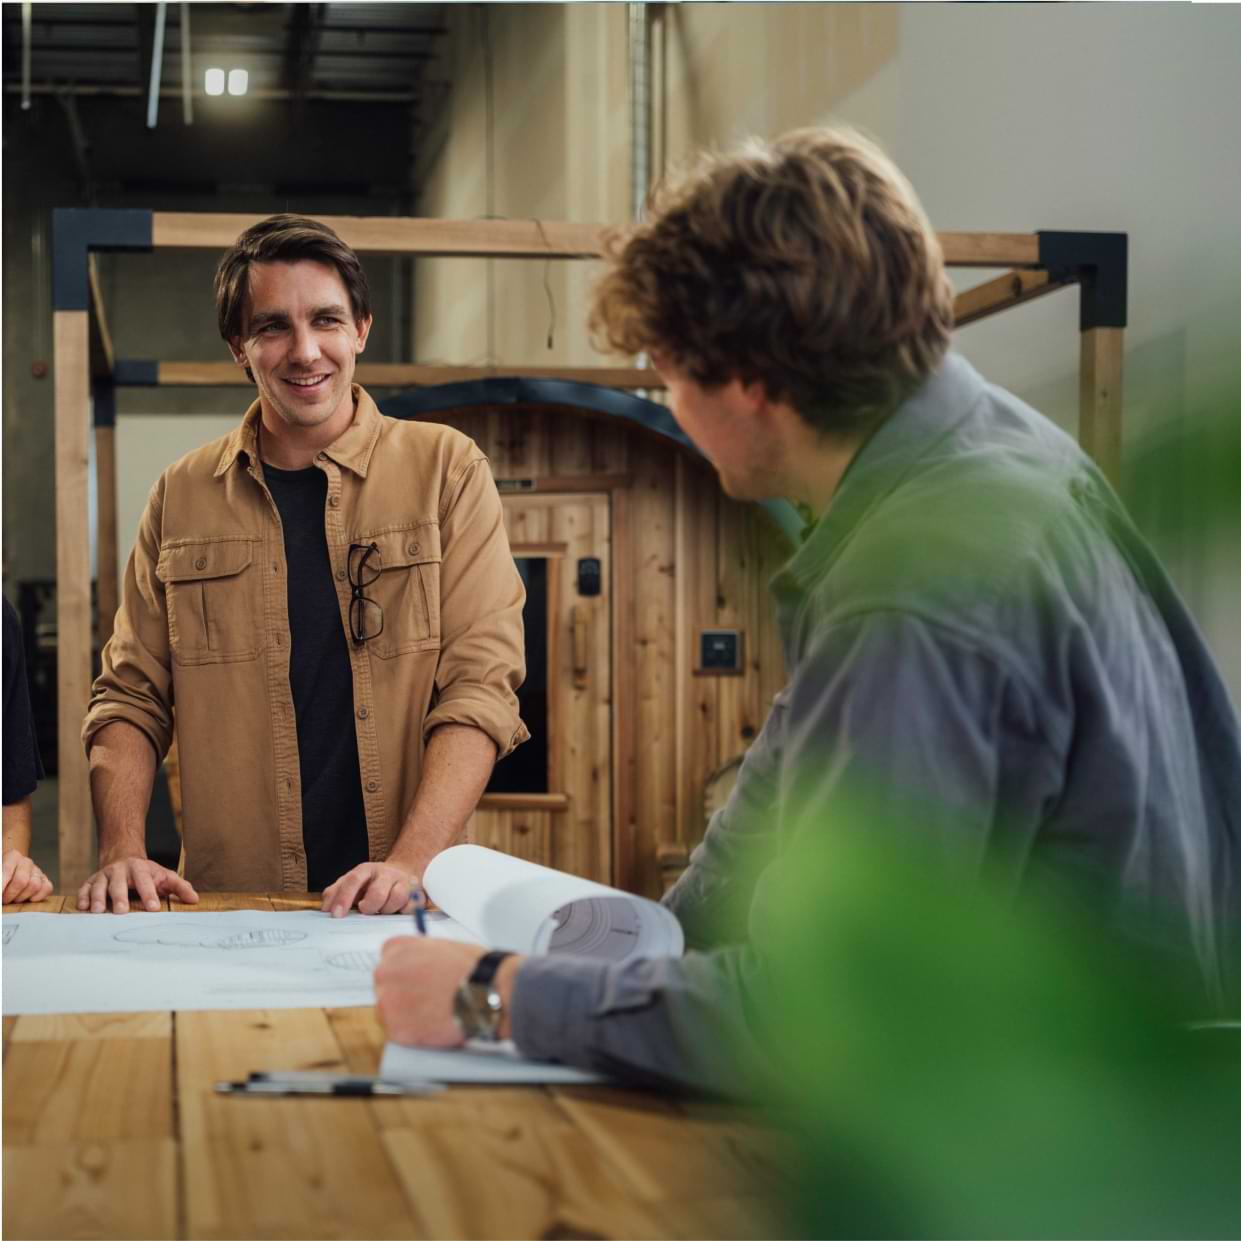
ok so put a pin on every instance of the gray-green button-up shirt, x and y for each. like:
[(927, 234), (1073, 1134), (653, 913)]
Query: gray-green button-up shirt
[(974, 627)]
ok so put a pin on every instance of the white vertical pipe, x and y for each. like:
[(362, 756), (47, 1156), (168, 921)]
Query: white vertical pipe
[(157, 64), (187, 73), (639, 107), (27, 15)]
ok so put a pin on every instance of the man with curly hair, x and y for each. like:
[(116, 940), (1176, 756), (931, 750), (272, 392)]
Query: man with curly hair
[(986, 663)]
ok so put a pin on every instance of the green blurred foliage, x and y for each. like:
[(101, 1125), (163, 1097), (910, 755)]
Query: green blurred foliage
[(961, 1064), (1182, 480)]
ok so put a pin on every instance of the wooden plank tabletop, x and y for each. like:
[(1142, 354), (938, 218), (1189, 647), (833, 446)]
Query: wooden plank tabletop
[(112, 1129)]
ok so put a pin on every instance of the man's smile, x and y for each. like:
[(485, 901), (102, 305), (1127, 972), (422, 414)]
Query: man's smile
[(307, 381)]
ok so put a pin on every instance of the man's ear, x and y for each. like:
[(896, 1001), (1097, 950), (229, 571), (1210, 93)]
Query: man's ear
[(234, 347), (364, 330), (754, 395)]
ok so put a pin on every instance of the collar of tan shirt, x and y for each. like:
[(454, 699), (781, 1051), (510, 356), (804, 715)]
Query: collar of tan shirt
[(352, 449)]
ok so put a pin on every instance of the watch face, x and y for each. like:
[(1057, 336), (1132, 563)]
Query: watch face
[(477, 1011)]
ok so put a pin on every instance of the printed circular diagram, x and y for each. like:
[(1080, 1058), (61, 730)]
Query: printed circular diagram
[(596, 928), (188, 936)]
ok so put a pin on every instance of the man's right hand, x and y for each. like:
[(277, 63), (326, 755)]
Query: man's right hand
[(114, 882)]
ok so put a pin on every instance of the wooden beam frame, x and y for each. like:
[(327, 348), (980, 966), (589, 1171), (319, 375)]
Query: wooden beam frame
[(1037, 263), (1004, 292), (385, 374)]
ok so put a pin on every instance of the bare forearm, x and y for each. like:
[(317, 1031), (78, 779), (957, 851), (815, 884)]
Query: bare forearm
[(17, 821), (455, 770), (122, 774)]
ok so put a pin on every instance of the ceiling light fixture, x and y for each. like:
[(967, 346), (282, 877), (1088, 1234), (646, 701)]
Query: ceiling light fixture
[(213, 81), (238, 80)]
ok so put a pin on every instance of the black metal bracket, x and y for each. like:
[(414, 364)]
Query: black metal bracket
[(76, 231), (135, 373), (1099, 262)]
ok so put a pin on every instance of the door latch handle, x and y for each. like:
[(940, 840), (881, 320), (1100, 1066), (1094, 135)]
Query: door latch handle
[(580, 622)]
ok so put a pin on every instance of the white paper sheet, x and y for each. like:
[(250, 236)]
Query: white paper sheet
[(141, 962), (498, 1064), (513, 904)]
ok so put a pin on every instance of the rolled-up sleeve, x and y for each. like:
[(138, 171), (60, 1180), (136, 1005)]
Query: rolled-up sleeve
[(482, 655), (135, 684)]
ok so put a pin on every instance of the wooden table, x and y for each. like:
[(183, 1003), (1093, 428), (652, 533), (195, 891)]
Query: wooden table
[(112, 1129)]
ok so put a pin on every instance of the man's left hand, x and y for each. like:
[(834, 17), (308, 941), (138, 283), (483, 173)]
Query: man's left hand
[(415, 984), (374, 887)]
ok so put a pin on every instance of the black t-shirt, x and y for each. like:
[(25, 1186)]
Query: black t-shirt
[(23, 768), (333, 814)]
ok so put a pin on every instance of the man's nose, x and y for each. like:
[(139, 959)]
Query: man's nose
[(305, 346)]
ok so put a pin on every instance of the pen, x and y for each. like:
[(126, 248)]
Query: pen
[(280, 1084), (420, 907)]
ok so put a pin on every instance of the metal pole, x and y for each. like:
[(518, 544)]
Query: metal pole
[(27, 15), (187, 76), (157, 64), (639, 107)]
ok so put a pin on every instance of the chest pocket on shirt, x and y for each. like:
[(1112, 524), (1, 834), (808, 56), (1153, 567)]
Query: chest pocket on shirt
[(213, 592), (407, 589)]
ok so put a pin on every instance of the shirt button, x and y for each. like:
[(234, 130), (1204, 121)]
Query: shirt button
[(363, 712), (340, 575), (275, 568), (412, 549), (323, 456), (372, 786), (200, 563), (334, 501)]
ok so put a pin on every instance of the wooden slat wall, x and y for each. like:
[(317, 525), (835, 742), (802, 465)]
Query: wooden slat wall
[(685, 558)]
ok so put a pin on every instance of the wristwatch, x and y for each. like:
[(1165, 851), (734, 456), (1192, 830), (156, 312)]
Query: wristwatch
[(477, 1006)]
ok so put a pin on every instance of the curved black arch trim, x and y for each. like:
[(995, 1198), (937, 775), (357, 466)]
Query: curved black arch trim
[(593, 397)]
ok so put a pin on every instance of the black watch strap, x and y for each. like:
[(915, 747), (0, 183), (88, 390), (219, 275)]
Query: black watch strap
[(485, 970)]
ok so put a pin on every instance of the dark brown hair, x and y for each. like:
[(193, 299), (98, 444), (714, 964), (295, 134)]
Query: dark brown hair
[(285, 239), (806, 264)]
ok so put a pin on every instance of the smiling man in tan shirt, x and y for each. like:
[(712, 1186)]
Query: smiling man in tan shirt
[(328, 597)]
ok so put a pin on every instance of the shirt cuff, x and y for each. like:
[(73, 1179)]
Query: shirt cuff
[(476, 711), (553, 1001)]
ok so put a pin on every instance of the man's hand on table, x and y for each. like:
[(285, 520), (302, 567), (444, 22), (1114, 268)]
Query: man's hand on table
[(113, 882), (374, 887), (23, 880), (416, 982)]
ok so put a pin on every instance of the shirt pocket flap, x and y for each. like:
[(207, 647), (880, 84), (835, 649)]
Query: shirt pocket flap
[(196, 562), (403, 548)]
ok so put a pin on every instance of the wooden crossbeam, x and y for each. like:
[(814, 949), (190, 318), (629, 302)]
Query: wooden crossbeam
[(990, 249), (102, 356), (1011, 289), (529, 239), (405, 375)]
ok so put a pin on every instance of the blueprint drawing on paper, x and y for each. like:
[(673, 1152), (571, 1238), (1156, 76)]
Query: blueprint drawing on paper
[(141, 962)]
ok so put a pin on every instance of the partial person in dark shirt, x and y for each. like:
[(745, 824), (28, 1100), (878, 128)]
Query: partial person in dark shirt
[(23, 769), (987, 665)]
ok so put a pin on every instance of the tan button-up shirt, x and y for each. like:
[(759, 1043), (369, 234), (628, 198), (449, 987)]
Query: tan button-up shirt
[(203, 624)]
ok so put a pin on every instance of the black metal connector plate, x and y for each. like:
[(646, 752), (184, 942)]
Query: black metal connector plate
[(78, 230), (1100, 263)]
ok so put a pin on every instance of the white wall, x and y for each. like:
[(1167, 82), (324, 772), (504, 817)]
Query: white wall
[(1110, 117)]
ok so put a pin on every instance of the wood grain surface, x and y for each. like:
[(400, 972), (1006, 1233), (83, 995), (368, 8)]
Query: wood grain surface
[(112, 1128)]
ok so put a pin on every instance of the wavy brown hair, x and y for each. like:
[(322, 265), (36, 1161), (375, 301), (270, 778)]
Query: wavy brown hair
[(805, 263), (284, 239)]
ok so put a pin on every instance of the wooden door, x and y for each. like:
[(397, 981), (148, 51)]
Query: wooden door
[(551, 801)]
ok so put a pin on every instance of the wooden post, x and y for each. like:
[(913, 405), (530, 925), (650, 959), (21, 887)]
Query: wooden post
[(105, 481), (1099, 428), (71, 333), (624, 706)]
